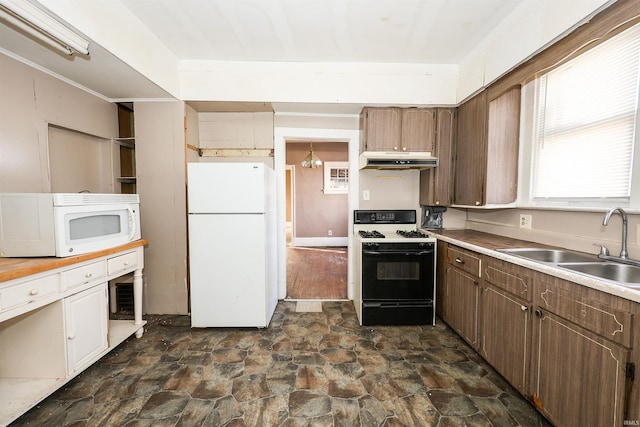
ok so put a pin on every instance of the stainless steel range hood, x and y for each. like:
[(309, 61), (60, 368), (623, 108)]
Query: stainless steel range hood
[(397, 160)]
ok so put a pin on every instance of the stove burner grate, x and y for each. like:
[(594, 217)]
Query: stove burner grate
[(412, 234), (373, 234)]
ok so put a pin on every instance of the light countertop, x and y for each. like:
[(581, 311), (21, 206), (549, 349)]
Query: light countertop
[(487, 244)]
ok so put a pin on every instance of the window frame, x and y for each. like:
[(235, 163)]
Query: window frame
[(327, 187), (527, 158)]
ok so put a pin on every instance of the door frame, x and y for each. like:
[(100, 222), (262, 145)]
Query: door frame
[(280, 137)]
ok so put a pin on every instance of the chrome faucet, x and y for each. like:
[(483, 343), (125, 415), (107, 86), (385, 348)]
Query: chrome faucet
[(623, 251)]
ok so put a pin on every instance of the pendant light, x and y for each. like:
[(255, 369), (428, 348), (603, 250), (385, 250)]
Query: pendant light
[(311, 161)]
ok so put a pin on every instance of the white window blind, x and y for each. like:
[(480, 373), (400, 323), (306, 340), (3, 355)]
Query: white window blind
[(586, 123)]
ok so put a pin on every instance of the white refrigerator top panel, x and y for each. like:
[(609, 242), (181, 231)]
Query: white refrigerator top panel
[(228, 187)]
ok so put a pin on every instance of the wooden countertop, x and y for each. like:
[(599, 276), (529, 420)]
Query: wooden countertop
[(14, 268), (486, 240)]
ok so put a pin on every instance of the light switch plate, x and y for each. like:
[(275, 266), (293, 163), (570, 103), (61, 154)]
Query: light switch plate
[(366, 195)]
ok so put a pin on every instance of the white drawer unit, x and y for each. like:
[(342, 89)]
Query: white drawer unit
[(83, 275), (122, 263), (54, 321), (27, 292)]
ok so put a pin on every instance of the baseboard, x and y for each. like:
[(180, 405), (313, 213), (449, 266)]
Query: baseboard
[(320, 241)]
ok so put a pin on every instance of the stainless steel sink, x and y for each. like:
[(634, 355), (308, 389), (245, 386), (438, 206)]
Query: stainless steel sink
[(622, 274), (552, 256)]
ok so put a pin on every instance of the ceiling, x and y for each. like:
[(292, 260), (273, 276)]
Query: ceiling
[(376, 31)]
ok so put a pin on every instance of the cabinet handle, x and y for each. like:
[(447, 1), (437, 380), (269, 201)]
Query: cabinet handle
[(88, 275), (33, 292), (477, 203), (395, 148), (71, 336), (459, 261), (539, 314), (126, 263), (404, 148), (524, 308)]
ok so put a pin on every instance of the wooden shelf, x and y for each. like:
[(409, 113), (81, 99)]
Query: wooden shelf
[(126, 142), (126, 179)]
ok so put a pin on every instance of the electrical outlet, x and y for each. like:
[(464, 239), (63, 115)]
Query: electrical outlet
[(330, 232), (366, 195), (525, 221)]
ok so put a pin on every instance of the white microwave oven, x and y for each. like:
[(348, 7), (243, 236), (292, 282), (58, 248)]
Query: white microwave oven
[(66, 224)]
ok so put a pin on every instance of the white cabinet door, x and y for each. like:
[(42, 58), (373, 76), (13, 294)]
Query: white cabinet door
[(86, 323)]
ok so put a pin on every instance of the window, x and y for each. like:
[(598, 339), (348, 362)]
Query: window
[(336, 177), (582, 127)]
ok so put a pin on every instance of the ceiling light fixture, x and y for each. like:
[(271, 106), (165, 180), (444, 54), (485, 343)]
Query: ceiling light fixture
[(35, 22), (311, 161)]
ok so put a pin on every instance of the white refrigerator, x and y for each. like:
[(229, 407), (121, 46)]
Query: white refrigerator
[(232, 244)]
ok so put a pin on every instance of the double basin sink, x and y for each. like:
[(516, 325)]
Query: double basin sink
[(588, 265)]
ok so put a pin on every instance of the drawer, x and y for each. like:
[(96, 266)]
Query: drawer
[(509, 277), (602, 319), (82, 275), (464, 260), (27, 292), (122, 263)]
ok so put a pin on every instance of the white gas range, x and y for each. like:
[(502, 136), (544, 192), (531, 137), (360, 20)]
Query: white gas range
[(395, 280)]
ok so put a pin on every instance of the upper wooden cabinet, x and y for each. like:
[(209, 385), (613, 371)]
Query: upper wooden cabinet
[(418, 129), (436, 184), (486, 160), (397, 129)]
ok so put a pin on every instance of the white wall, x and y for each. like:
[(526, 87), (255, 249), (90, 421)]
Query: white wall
[(30, 100), (160, 163), (568, 229), (338, 83), (114, 27), (534, 25)]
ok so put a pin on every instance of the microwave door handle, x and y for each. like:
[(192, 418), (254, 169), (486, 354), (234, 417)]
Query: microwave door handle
[(133, 223)]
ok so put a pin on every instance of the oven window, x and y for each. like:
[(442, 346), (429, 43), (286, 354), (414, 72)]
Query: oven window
[(398, 271), (91, 226)]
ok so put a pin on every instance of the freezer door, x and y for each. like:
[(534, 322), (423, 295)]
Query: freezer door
[(229, 275), (226, 187)]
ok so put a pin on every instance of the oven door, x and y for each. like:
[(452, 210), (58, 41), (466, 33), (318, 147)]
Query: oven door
[(398, 272)]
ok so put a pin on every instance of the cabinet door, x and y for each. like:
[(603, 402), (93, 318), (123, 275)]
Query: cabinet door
[(471, 152), (461, 303), (382, 129), (418, 129), (579, 377), (436, 184), (502, 148), (86, 323), (506, 349)]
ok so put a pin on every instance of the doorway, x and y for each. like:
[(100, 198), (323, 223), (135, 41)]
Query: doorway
[(322, 255), (317, 223)]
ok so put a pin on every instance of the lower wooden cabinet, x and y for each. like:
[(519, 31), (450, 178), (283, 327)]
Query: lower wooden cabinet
[(578, 377), (460, 293), (461, 304), (86, 320), (505, 337), (582, 371), (570, 349)]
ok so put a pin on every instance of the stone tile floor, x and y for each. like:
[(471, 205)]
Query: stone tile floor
[(306, 369)]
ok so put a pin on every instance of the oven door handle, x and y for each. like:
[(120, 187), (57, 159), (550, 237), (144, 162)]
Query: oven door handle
[(406, 253)]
